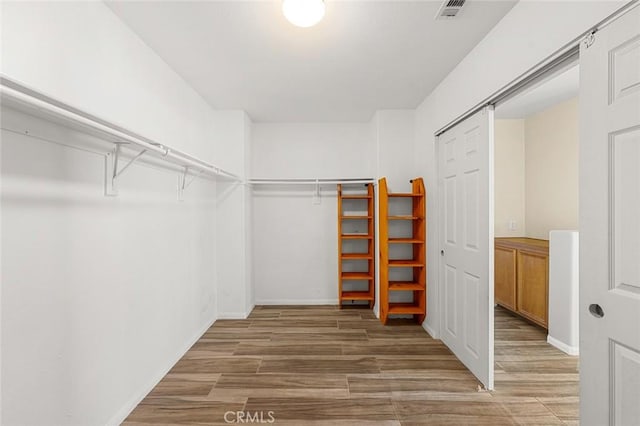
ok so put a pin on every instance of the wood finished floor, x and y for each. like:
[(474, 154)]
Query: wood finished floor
[(324, 366)]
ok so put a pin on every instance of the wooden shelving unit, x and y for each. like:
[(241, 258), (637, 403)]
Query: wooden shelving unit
[(413, 290), (356, 244)]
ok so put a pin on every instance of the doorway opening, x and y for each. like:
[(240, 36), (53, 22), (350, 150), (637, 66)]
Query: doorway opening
[(536, 187)]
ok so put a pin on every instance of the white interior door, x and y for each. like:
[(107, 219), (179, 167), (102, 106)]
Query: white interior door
[(610, 224), (465, 179)]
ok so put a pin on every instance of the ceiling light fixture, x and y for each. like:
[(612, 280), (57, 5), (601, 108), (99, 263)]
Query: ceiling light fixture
[(303, 13)]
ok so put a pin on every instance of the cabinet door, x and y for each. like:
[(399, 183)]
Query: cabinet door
[(505, 277), (533, 286)]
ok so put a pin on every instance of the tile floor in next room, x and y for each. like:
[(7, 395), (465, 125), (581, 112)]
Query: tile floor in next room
[(324, 365)]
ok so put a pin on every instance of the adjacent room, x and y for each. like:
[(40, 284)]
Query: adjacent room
[(319, 212), (536, 233)]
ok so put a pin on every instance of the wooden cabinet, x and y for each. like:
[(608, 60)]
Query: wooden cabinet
[(522, 277), (505, 277)]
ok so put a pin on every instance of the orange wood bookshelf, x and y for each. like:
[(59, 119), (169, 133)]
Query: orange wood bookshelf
[(417, 287), (356, 285)]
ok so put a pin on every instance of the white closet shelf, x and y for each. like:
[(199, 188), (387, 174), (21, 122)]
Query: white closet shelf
[(30, 101), (309, 181)]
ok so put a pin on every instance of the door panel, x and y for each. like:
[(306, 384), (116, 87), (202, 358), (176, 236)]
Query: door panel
[(451, 289), (472, 298), (610, 224), (465, 176), (626, 197), (626, 376), (625, 69), (471, 209), (450, 208)]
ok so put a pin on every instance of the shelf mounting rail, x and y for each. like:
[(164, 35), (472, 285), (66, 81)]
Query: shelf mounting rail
[(32, 102), (317, 182), (309, 181)]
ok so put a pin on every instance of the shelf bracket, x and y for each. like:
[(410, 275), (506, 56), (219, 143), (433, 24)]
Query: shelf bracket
[(111, 170), (184, 182), (316, 193)]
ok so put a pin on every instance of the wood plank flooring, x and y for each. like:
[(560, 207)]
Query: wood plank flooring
[(321, 365)]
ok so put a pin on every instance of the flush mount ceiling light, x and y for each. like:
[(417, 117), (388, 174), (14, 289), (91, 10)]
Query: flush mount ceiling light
[(303, 13)]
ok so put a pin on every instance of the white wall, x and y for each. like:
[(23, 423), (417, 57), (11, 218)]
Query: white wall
[(82, 54), (248, 222), (235, 300), (395, 138), (509, 178), (230, 129), (102, 295), (233, 137), (394, 135), (512, 47), (551, 164), (314, 150), (536, 172), (295, 241)]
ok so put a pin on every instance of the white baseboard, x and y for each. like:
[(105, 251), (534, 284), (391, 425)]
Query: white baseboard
[(297, 302), (127, 408), (233, 315), (250, 310), (236, 315), (430, 330), (570, 350)]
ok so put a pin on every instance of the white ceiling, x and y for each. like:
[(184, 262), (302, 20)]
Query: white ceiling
[(363, 56), (558, 88)]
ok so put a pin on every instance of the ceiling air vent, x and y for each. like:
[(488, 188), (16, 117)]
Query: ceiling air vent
[(450, 9)]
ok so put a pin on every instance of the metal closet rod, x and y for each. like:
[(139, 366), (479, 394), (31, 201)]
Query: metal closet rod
[(309, 181), (17, 92)]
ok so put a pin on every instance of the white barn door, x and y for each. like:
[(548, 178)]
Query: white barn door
[(610, 224), (465, 180)]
